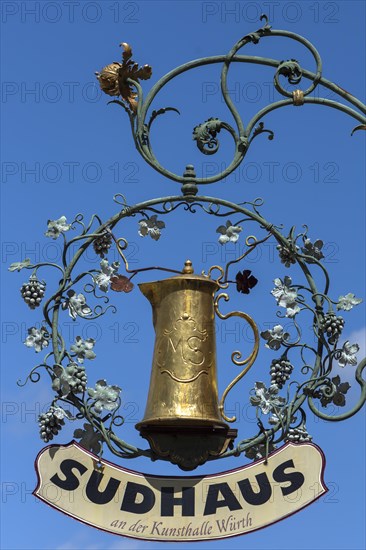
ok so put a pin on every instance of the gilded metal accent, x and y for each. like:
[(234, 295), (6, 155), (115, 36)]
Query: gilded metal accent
[(236, 355), (298, 97), (183, 394), (221, 278), (185, 351), (188, 268), (115, 78)]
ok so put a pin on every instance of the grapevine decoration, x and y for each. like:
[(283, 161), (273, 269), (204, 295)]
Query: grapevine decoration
[(294, 360), (297, 373)]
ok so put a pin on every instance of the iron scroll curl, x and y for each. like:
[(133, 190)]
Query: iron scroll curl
[(206, 133)]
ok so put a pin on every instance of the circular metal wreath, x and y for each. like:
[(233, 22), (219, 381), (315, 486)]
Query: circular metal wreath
[(66, 370)]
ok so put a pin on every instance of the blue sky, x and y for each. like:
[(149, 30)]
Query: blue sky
[(65, 151)]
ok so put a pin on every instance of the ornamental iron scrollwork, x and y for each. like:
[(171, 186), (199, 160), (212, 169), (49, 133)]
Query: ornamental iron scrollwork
[(206, 133), (299, 373)]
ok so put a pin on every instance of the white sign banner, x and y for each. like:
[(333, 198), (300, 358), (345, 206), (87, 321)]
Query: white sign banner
[(179, 508)]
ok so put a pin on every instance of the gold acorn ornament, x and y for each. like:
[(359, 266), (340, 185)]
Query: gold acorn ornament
[(113, 77)]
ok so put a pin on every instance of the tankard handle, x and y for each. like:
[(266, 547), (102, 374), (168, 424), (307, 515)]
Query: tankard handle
[(236, 355)]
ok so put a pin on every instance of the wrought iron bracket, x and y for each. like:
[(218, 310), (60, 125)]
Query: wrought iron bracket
[(311, 381)]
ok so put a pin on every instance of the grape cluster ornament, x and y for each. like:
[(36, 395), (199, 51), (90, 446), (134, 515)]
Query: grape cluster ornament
[(51, 423), (333, 326), (33, 291), (280, 370)]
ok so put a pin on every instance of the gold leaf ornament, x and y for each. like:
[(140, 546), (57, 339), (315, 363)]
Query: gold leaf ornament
[(113, 78), (127, 52)]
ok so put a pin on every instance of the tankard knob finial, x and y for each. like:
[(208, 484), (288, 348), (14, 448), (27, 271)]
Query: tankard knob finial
[(188, 269)]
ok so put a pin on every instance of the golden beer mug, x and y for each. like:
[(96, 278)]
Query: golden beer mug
[(183, 420)]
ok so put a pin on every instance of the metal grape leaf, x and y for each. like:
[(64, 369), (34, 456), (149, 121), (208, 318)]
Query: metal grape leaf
[(120, 283), (17, 266), (89, 439), (245, 281)]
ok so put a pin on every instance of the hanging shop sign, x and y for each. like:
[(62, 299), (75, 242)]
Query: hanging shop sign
[(179, 508), (186, 418)]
